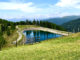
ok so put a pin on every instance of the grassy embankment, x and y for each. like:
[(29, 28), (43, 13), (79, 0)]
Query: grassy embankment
[(11, 38), (22, 27), (63, 48)]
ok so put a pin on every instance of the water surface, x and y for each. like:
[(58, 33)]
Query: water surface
[(37, 36)]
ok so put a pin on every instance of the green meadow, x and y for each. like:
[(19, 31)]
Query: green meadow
[(63, 48)]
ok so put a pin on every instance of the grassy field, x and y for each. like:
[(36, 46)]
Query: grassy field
[(63, 48)]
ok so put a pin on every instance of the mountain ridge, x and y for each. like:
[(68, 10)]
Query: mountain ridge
[(57, 20), (61, 20)]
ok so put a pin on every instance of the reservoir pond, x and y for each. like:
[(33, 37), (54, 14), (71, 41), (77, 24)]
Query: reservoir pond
[(33, 36)]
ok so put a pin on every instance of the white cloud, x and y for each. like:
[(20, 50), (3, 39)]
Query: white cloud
[(17, 1), (25, 7), (69, 3), (31, 10)]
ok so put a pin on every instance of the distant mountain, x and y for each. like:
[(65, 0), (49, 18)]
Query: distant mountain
[(73, 26), (62, 20), (58, 21), (17, 19)]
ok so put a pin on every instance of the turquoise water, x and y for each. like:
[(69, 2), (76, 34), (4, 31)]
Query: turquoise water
[(37, 36)]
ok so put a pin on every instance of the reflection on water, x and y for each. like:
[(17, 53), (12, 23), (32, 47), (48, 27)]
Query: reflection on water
[(37, 36)]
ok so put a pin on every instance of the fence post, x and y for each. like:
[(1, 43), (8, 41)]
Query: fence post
[(16, 42)]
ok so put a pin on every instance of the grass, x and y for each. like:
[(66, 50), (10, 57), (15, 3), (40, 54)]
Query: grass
[(63, 48), (11, 38), (0, 26), (26, 26)]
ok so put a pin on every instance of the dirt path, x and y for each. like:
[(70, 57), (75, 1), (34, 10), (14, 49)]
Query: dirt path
[(20, 36)]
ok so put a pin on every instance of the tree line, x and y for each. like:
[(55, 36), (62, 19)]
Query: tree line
[(41, 23), (72, 26)]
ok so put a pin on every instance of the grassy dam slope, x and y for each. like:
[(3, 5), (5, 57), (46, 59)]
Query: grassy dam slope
[(62, 48)]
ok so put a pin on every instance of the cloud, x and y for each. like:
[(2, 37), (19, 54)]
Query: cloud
[(69, 3), (25, 7), (19, 8), (18, 1)]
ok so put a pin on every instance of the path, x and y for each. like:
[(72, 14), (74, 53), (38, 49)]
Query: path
[(49, 30), (20, 36)]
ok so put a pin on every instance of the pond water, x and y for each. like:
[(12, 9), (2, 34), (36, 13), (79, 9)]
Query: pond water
[(33, 36)]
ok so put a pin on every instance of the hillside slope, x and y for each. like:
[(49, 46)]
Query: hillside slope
[(7, 27), (62, 20), (63, 48), (73, 26)]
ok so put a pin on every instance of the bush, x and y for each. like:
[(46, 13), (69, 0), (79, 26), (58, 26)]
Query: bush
[(8, 32), (2, 41)]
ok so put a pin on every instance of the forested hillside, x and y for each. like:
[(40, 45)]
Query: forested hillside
[(41, 23), (73, 26), (61, 20)]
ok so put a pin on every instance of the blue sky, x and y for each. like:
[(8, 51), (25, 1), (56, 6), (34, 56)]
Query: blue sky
[(38, 9)]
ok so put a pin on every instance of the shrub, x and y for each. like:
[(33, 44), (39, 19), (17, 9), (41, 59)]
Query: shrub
[(2, 41)]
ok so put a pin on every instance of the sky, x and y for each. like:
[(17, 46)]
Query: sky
[(38, 9)]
